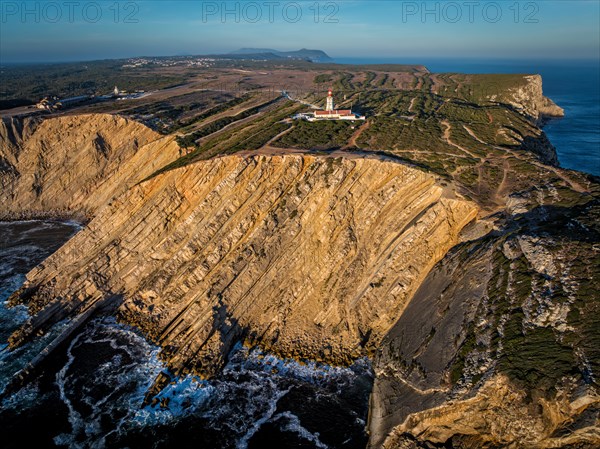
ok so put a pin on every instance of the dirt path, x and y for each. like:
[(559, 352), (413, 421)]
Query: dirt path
[(231, 112), (281, 134), (502, 185), (240, 122), (478, 167), (287, 95), (356, 135), (412, 103), (419, 85), (474, 136), (557, 171), (269, 150), (447, 130)]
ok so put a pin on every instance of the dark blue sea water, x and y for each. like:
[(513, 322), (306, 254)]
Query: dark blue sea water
[(574, 85), (90, 395)]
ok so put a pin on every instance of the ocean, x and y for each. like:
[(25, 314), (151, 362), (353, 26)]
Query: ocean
[(91, 393), (572, 84)]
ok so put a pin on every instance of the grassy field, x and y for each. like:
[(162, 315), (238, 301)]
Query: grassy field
[(31, 83), (324, 135)]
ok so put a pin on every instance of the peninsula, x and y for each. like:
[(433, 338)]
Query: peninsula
[(437, 236)]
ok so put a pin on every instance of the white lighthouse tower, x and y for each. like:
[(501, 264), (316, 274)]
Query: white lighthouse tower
[(329, 106)]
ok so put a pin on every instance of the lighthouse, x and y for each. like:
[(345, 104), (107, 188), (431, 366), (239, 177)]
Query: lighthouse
[(329, 106), (330, 113)]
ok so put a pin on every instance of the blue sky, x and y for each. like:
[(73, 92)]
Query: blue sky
[(83, 30)]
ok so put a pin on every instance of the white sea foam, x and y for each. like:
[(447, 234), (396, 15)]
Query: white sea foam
[(185, 397), (74, 417), (256, 425), (127, 382), (11, 361), (23, 397), (237, 403), (294, 425), (312, 372)]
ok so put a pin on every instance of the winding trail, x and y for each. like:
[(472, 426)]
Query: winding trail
[(502, 185), (356, 135), (278, 136), (472, 134), (412, 103), (556, 171), (237, 123), (447, 129)]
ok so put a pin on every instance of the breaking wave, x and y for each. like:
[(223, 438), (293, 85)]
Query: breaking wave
[(94, 391)]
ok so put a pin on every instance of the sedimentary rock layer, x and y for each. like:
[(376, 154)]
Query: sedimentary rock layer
[(329, 259), (72, 165), (309, 256)]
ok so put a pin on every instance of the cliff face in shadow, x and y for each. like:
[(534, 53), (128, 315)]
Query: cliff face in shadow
[(506, 349)]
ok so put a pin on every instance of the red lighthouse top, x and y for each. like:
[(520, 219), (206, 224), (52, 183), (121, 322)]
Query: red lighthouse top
[(330, 93)]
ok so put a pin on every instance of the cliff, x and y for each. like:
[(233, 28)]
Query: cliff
[(480, 337), (307, 256), (71, 165), (505, 352), (530, 100)]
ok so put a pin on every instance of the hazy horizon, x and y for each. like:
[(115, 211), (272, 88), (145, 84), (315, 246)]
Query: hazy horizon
[(365, 60), (36, 32)]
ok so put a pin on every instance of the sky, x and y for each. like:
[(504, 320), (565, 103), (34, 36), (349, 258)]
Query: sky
[(50, 31)]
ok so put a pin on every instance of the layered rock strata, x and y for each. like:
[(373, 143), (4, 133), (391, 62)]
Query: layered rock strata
[(307, 256), (71, 165)]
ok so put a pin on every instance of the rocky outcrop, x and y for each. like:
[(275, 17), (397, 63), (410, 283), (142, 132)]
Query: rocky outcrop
[(490, 342), (541, 146), (307, 256), (72, 165), (504, 352), (530, 100), (501, 415)]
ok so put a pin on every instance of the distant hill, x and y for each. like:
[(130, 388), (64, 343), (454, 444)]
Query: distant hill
[(303, 54)]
